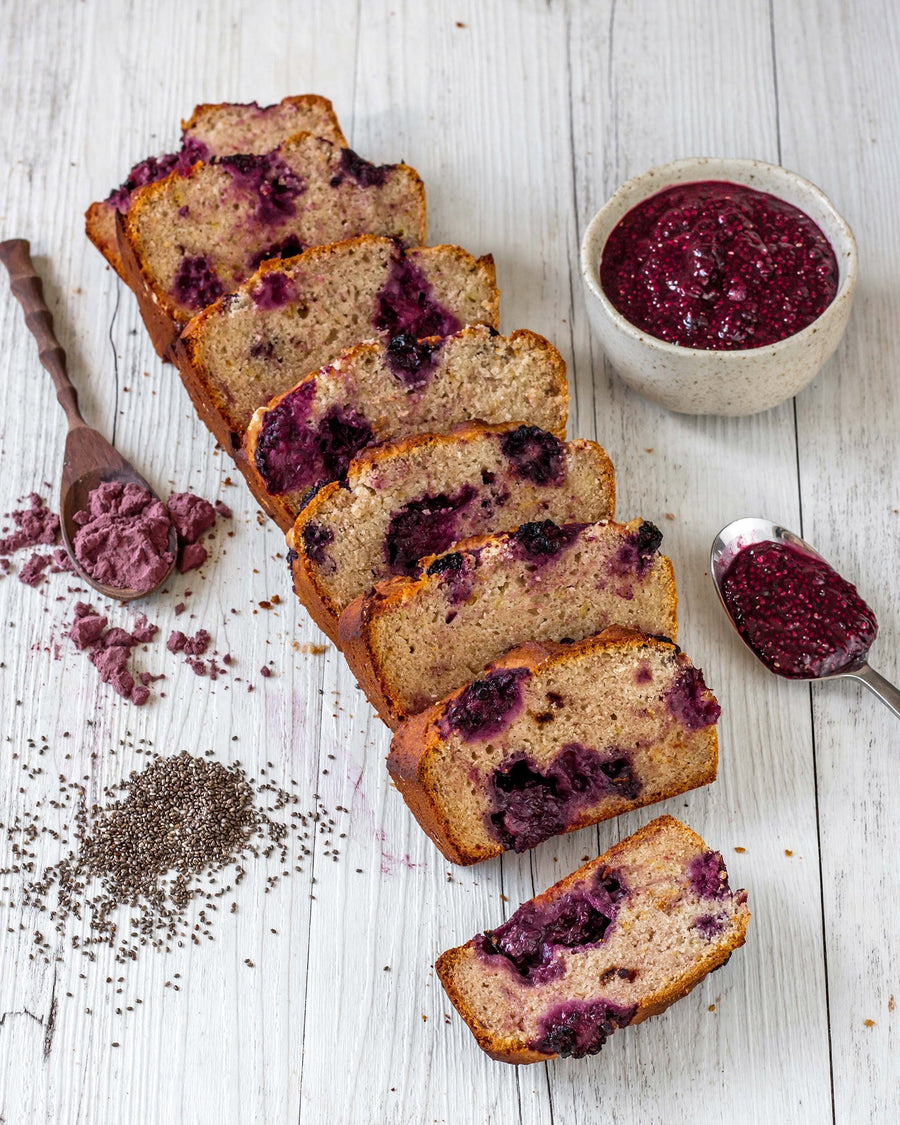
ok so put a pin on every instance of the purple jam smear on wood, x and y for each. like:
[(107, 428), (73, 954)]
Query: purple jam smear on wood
[(361, 171), (412, 361), (691, 702), (718, 266), (797, 614), (156, 168), (405, 305), (531, 939), (316, 539), (535, 454), (708, 876), (196, 284), (292, 456), (540, 542), (576, 1028), (638, 552), (272, 182), (424, 527), (487, 706), (528, 805)]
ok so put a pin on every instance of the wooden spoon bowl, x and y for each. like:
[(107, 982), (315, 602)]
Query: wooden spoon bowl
[(89, 460)]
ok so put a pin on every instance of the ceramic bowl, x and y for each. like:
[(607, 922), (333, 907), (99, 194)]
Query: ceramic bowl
[(695, 380)]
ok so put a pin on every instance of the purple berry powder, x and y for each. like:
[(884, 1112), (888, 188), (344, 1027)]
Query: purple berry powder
[(123, 537)]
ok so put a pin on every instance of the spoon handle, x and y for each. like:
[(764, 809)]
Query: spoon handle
[(878, 685), (28, 289)]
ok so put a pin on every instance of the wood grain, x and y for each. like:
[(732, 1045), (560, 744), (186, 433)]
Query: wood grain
[(522, 116)]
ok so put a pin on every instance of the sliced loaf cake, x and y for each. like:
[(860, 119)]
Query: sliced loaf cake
[(411, 642), (293, 317), (187, 239), (553, 738), (213, 130), (617, 941), (419, 496), (383, 391)]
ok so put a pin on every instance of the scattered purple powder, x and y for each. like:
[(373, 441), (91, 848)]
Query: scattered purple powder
[(487, 706), (406, 304), (35, 525), (190, 646), (412, 361), (535, 454), (691, 701), (123, 537), (191, 556), (532, 938), (223, 510), (576, 1028), (192, 515), (708, 876), (110, 650), (196, 283), (267, 177), (264, 671), (33, 570), (424, 527)]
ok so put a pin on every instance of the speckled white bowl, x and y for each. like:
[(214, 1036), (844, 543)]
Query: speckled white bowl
[(695, 380)]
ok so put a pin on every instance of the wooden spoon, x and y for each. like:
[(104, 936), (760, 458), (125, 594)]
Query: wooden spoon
[(89, 458)]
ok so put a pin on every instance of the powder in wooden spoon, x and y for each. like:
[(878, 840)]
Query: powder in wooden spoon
[(123, 538)]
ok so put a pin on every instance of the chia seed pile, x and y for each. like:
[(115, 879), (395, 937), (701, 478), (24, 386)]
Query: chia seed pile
[(179, 830)]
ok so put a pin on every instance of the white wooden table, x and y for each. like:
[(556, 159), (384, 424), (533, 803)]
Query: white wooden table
[(522, 116)]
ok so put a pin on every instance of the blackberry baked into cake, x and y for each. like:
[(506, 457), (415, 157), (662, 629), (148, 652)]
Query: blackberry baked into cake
[(553, 738), (382, 391), (213, 130), (419, 496), (409, 643), (617, 941), (191, 237), (293, 317)]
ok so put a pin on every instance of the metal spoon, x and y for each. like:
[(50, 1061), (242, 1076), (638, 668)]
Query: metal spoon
[(740, 534), (89, 458)]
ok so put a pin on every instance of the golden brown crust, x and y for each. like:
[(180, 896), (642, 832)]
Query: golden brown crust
[(416, 741), (301, 101), (513, 1050)]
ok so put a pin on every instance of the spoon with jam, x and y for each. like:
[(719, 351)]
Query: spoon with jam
[(792, 610)]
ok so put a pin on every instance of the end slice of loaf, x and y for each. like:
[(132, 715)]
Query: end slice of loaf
[(617, 941), (381, 392), (190, 238), (405, 501), (213, 130), (412, 642), (294, 317), (553, 738)]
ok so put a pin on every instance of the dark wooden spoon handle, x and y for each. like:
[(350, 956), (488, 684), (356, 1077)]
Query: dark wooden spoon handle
[(28, 289)]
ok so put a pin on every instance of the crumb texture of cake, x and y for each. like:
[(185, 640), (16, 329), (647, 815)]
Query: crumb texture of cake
[(187, 239), (213, 130), (410, 643), (617, 941), (553, 738), (418, 497), (292, 318), (382, 391)]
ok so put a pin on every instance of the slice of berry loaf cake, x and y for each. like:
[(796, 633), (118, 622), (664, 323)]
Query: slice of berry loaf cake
[(617, 941), (411, 642), (382, 391), (187, 239), (293, 317), (553, 738), (213, 130), (419, 496)]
